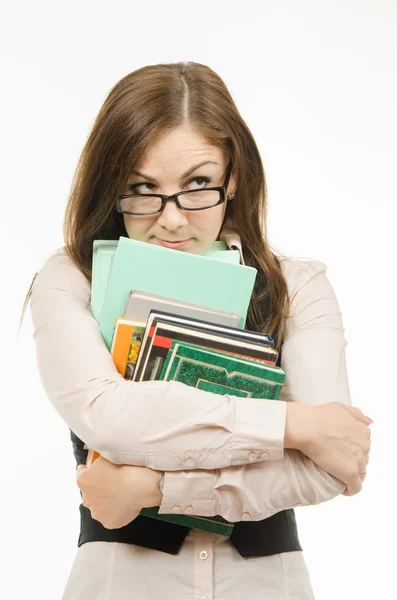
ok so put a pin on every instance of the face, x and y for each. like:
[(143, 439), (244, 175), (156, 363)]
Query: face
[(163, 166)]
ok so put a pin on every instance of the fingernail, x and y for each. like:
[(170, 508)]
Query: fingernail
[(368, 418)]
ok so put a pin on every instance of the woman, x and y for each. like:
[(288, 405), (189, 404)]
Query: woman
[(163, 129)]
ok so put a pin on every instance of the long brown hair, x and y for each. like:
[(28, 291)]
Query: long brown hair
[(138, 109)]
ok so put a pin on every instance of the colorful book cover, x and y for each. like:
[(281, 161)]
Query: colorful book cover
[(157, 346), (127, 339), (267, 351), (221, 374)]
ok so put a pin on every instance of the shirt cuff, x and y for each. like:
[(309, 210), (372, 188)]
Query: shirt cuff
[(189, 493), (258, 436)]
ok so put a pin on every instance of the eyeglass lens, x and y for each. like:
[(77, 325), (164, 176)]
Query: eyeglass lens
[(195, 199)]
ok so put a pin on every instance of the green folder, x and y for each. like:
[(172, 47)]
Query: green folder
[(103, 253), (102, 263), (190, 277)]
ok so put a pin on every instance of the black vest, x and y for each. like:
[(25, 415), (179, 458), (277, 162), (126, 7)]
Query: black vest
[(251, 538)]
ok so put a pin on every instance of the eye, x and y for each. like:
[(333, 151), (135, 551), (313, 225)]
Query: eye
[(200, 179), (134, 187)]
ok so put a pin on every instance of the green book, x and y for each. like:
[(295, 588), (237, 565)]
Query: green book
[(220, 373), (103, 255), (215, 524), (194, 278)]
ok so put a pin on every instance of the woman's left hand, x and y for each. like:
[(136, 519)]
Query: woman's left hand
[(116, 494)]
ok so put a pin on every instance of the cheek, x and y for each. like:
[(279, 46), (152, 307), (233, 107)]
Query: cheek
[(138, 227), (209, 223)]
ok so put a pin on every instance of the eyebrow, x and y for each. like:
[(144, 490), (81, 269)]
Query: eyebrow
[(186, 174)]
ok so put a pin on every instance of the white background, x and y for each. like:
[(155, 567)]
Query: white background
[(316, 83)]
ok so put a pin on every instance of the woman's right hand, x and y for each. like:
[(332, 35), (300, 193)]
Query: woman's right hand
[(334, 436)]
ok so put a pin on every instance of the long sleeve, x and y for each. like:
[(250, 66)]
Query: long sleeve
[(167, 426), (314, 360)]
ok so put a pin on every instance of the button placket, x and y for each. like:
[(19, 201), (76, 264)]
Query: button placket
[(203, 565)]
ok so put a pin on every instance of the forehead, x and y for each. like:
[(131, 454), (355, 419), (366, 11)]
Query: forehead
[(181, 147)]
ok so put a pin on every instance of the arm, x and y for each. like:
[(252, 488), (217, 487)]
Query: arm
[(166, 426), (313, 358), (249, 492)]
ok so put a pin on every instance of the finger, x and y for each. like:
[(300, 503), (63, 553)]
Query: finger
[(355, 486), (358, 414), (347, 492), (352, 491)]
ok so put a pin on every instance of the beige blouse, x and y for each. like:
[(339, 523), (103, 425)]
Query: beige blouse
[(222, 455)]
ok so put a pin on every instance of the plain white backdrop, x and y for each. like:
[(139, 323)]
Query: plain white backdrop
[(316, 83)]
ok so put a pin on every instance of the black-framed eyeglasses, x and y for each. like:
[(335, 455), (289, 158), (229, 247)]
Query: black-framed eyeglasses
[(150, 204)]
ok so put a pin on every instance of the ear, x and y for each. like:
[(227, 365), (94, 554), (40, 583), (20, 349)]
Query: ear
[(232, 182)]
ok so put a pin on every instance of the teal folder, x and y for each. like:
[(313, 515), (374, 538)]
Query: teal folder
[(103, 253), (102, 264), (190, 277)]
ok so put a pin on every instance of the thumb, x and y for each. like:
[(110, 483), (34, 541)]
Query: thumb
[(79, 470)]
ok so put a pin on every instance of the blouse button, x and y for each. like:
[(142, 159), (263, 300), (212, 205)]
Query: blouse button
[(203, 555), (265, 454), (252, 456), (203, 598), (176, 508), (189, 510), (188, 461), (246, 516)]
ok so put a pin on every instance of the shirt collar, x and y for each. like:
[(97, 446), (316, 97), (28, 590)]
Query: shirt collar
[(231, 238)]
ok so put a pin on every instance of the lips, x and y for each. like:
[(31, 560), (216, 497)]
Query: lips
[(172, 244)]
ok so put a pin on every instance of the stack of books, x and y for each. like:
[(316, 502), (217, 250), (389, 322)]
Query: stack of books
[(160, 336)]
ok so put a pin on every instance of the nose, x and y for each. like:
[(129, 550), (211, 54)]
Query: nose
[(172, 217)]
